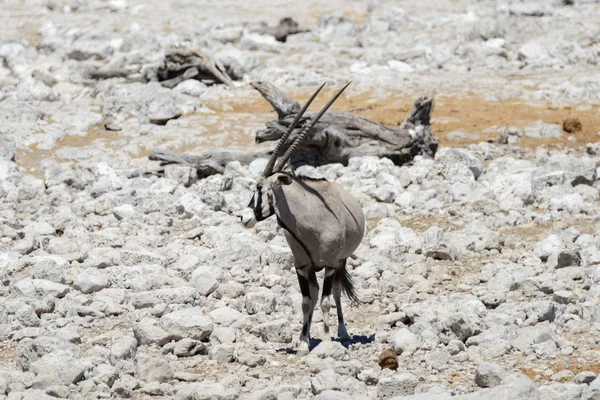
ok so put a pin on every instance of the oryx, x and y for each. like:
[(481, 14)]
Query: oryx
[(323, 226)]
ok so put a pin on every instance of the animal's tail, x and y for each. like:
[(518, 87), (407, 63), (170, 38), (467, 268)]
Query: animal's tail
[(347, 284)]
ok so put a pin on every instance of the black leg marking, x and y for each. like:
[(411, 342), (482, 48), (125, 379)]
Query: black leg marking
[(304, 330), (327, 285), (304, 285)]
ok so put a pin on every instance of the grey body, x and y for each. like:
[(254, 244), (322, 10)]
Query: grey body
[(324, 217), (323, 226)]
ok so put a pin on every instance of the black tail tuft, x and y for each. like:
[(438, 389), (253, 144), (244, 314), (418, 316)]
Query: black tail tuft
[(347, 284)]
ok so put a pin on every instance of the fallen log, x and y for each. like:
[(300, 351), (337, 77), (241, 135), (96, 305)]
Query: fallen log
[(209, 163), (181, 64), (336, 138), (286, 27)]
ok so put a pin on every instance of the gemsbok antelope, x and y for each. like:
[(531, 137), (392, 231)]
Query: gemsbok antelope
[(323, 226)]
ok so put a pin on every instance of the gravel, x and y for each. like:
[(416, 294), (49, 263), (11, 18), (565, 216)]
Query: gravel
[(123, 279)]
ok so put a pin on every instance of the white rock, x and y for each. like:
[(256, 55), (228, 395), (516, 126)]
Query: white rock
[(405, 342), (91, 280), (124, 349), (147, 334), (260, 301), (334, 350), (489, 375), (205, 284), (187, 323), (397, 385), (191, 87), (226, 316), (58, 368), (540, 130)]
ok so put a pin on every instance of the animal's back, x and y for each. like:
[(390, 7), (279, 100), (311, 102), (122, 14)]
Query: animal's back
[(325, 218)]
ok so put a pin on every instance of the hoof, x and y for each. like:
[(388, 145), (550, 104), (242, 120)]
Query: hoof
[(343, 334), (302, 348)]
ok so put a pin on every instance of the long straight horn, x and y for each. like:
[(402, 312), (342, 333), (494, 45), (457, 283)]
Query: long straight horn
[(304, 132), (269, 168)]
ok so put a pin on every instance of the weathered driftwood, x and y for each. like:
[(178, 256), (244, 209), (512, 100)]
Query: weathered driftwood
[(286, 27), (335, 138), (192, 64), (339, 135), (209, 163), (108, 73)]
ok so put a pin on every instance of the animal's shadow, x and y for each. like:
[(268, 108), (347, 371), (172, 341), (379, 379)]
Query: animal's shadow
[(314, 342)]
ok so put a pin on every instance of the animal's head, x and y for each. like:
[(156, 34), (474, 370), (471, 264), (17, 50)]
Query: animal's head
[(262, 205)]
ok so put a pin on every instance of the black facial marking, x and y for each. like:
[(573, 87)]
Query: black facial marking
[(271, 207), (258, 203)]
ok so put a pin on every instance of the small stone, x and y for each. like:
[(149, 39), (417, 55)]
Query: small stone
[(153, 369), (27, 316), (40, 288), (463, 325), (222, 353), (58, 368), (564, 258), (204, 390), (585, 377), (261, 301), (540, 130), (563, 376), (405, 342), (124, 349), (397, 385), (563, 391), (332, 349), (147, 334), (275, 331), (34, 394), (223, 334), (182, 174), (3, 385), (541, 310), (388, 359), (187, 322), (189, 347), (572, 125), (191, 87), (91, 280), (226, 316), (488, 375), (60, 391), (125, 386), (563, 297), (333, 395), (205, 284), (249, 358), (325, 380)]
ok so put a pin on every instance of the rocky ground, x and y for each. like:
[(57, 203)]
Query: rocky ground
[(480, 268)]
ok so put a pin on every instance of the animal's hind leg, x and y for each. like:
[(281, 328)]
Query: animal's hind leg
[(337, 296), (310, 294), (325, 302)]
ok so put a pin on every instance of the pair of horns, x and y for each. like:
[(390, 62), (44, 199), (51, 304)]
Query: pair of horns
[(269, 168)]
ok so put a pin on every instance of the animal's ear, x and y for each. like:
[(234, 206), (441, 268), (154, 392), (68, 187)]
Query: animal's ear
[(283, 179)]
